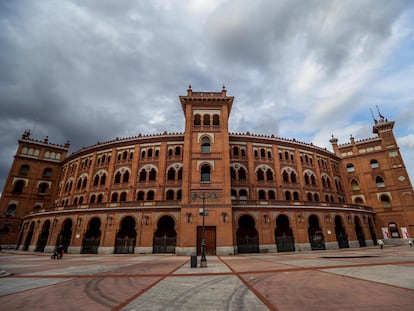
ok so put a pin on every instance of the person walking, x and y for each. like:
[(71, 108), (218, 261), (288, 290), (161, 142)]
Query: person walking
[(380, 243), (410, 242)]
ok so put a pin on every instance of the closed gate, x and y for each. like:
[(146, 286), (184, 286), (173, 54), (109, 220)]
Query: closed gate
[(164, 244), (285, 244), (125, 245), (90, 245)]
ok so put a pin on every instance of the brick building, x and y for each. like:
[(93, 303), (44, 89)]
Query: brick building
[(253, 193)]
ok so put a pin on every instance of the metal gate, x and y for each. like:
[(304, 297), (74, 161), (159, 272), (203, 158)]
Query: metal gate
[(91, 245), (164, 244), (125, 245), (248, 244), (285, 243), (41, 243)]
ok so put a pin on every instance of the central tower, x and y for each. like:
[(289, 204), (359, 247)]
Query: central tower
[(206, 163)]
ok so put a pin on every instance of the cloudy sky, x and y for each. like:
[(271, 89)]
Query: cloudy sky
[(89, 71)]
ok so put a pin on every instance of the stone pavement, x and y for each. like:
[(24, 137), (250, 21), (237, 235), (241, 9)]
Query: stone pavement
[(347, 279)]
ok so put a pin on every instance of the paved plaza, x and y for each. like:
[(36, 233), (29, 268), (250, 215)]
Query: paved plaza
[(348, 279)]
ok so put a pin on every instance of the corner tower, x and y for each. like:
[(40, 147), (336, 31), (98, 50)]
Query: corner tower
[(206, 162)]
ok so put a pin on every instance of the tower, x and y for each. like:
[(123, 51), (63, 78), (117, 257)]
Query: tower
[(206, 162)]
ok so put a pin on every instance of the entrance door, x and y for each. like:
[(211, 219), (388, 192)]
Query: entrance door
[(210, 235)]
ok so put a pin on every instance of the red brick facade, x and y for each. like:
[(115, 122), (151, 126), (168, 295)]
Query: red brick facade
[(144, 194)]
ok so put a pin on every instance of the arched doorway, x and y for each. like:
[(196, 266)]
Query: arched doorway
[(340, 232), (372, 231), (65, 235), (316, 238), (285, 240), (92, 237), (126, 237), (165, 238), (29, 237), (43, 236), (359, 233), (247, 235)]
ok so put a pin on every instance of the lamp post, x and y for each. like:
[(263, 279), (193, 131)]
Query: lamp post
[(203, 196)]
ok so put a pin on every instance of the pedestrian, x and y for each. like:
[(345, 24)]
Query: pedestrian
[(410, 242), (380, 243), (60, 251)]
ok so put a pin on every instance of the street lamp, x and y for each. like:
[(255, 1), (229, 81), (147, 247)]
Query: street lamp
[(203, 196)]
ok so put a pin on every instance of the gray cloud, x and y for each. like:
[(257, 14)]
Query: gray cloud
[(89, 71)]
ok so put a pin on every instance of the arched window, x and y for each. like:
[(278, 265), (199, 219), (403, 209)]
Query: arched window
[(262, 153), (47, 172), (81, 200), (157, 153), (288, 195), (242, 174), (205, 145), (125, 155), (358, 200), (350, 168), (18, 186), (100, 198), (114, 197), (96, 180), (307, 181), (232, 173), (103, 179), (43, 188), (180, 174), (296, 196), (170, 152), (117, 179), (197, 120), (243, 152), (24, 169), (354, 185), (269, 175), (205, 173), (152, 174), (262, 195), (235, 151), (150, 153), (84, 182), (79, 184), (143, 175), (171, 174), (374, 163), (177, 151), (309, 196), (385, 201), (123, 197), (150, 195), (293, 177), (285, 176), (179, 194), (243, 194), (233, 194), (140, 196), (125, 178), (216, 119), (92, 199), (380, 182), (75, 201), (316, 197), (170, 195), (206, 119), (271, 195), (143, 154), (11, 210), (260, 174)]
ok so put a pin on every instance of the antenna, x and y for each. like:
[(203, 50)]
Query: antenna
[(379, 113), (375, 120)]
